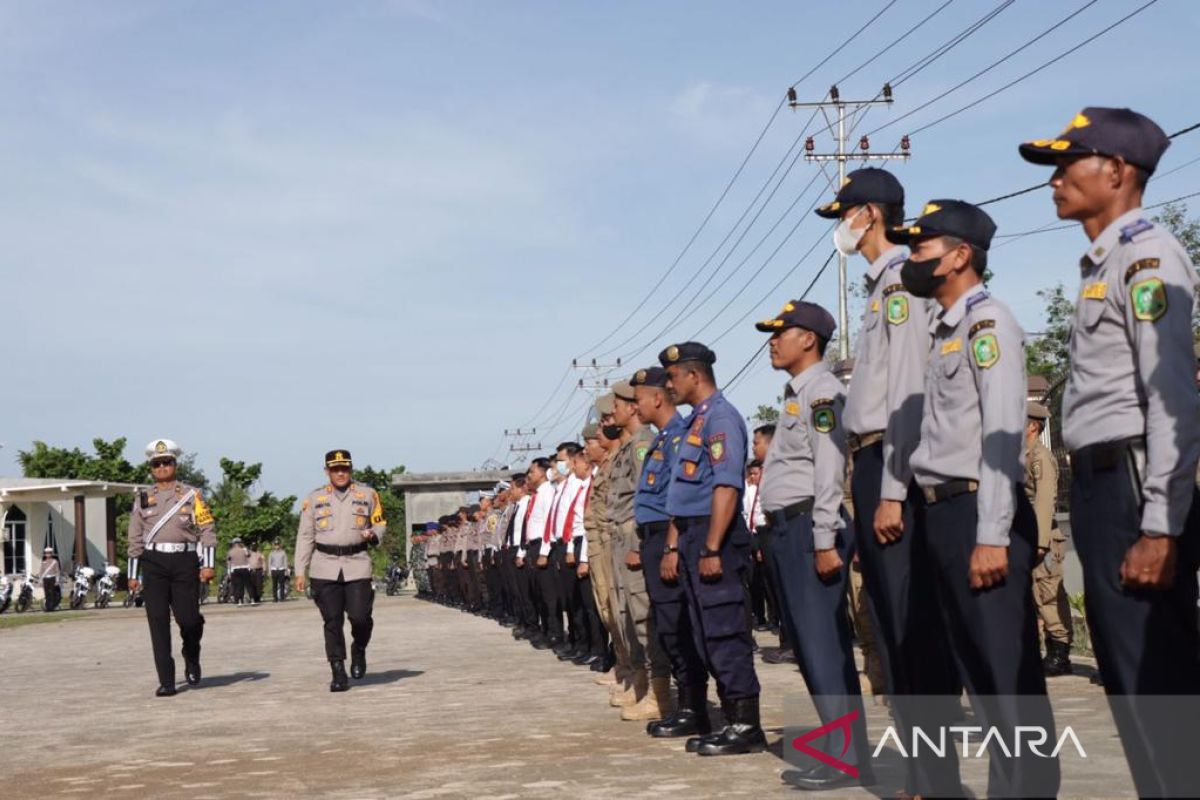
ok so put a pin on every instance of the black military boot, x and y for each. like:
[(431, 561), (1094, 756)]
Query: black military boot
[(689, 719), (358, 663), (340, 682), (191, 670), (693, 743), (165, 690), (1058, 659), (743, 734)]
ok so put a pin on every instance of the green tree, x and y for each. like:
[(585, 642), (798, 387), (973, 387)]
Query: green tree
[(765, 415), (1049, 354), (1174, 218), (240, 514), (395, 543)]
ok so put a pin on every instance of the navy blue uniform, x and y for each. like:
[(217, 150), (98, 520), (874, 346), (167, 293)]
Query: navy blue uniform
[(712, 454)]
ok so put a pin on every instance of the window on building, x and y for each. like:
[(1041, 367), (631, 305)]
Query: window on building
[(15, 542)]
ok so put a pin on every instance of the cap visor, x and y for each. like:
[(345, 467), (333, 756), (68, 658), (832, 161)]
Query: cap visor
[(831, 211), (1048, 156), (766, 327)]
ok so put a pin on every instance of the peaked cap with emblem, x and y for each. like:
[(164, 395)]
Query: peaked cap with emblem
[(801, 314), (956, 218), (687, 351), (1114, 132), (606, 404), (338, 458), (162, 448), (866, 185), (624, 390), (650, 376), (590, 431)]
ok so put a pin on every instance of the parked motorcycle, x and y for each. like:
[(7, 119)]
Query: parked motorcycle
[(225, 589), (106, 586), (25, 596), (133, 598), (5, 593), (81, 585), (396, 577)]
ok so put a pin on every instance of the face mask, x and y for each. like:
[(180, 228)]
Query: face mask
[(612, 432), (845, 238), (562, 467), (918, 277)]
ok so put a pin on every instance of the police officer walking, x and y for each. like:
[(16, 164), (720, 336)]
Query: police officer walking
[(50, 574), (978, 525), (708, 546), (1129, 420), (801, 494), (172, 540), (1049, 595), (339, 522), (237, 566)]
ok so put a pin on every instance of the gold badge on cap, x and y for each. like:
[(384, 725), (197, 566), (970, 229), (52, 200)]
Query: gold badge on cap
[(672, 353), (930, 208), (789, 307), (641, 376), (160, 446)]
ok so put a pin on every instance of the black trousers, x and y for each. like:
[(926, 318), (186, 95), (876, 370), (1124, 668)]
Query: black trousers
[(566, 576), (240, 579), (758, 584), (1146, 641), (914, 648), (993, 634), (672, 622), (170, 585), (772, 579), (340, 599), (279, 584), (52, 593), (817, 614), (550, 598)]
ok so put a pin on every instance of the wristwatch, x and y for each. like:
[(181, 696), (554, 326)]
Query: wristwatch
[(670, 549), (706, 553)]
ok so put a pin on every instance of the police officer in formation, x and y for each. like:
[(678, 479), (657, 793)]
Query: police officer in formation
[(172, 542), (1130, 422), (339, 523)]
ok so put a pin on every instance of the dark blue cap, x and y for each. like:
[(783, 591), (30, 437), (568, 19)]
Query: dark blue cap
[(431, 526), (866, 185), (1116, 132), (650, 376), (799, 314), (955, 218), (687, 351)]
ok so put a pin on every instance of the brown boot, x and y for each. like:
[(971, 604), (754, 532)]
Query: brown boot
[(606, 678), (656, 704), (636, 689)]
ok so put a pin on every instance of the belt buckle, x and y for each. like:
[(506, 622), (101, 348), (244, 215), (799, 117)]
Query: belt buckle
[(930, 494)]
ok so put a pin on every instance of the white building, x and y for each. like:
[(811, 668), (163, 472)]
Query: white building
[(76, 518)]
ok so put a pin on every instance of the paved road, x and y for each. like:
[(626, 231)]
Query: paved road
[(452, 707)]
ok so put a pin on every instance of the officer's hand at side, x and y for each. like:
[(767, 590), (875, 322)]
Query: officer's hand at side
[(134, 583), (668, 568), (889, 521), (581, 571), (300, 584), (542, 562), (828, 563), (207, 574), (520, 562), (1149, 563), (633, 561), (989, 565), (758, 556), (710, 568), (570, 559)]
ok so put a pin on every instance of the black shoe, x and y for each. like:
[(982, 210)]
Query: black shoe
[(566, 653), (518, 632), (1096, 680), (165, 691), (824, 777), (690, 719), (1058, 659), (762, 627), (358, 663), (694, 744), (340, 682), (598, 665), (780, 655), (743, 734), (557, 643), (539, 643), (585, 659), (191, 671)]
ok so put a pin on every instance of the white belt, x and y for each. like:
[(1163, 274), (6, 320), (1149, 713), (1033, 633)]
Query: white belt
[(172, 547)]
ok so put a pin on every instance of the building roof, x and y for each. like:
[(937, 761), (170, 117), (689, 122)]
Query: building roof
[(483, 479), (48, 489)]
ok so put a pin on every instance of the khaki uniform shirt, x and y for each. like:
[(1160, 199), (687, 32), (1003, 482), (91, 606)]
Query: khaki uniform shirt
[(333, 517), (50, 568), (256, 560), (1041, 487), (238, 557), (595, 516), (625, 474), (191, 523)]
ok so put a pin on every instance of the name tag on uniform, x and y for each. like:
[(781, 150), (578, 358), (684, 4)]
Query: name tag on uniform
[(952, 346), (1095, 291)]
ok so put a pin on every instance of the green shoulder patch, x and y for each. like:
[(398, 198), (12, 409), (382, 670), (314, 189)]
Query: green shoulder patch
[(986, 350), (642, 451), (1149, 298), (897, 309), (824, 418)]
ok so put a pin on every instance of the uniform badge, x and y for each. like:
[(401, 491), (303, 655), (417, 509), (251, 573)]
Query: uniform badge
[(641, 452), (874, 306), (649, 478), (823, 416), (160, 447), (202, 513), (1138, 266), (897, 309), (951, 346), (689, 468), (716, 448), (323, 523), (793, 409), (672, 353), (360, 521), (1095, 291), (986, 350), (1149, 299)]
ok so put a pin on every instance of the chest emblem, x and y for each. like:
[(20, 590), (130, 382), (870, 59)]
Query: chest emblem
[(792, 408), (951, 346), (897, 309), (1095, 291)]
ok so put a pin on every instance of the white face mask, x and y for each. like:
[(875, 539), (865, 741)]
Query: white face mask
[(845, 238), (562, 467)]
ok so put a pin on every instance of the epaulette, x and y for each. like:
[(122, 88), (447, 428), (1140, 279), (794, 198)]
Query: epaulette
[(976, 299), (898, 261), (895, 287), (981, 325), (1130, 231)]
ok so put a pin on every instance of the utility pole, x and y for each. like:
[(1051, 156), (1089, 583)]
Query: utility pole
[(834, 111)]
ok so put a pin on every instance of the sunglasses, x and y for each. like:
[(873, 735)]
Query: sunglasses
[(157, 464)]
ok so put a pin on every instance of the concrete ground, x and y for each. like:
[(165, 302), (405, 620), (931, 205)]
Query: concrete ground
[(452, 707)]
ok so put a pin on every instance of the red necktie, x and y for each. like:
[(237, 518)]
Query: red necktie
[(550, 519), (528, 514), (571, 513)]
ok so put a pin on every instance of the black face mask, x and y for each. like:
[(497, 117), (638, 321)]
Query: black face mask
[(612, 432), (918, 277)]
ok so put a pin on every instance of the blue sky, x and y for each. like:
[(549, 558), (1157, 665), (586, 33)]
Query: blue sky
[(269, 229)]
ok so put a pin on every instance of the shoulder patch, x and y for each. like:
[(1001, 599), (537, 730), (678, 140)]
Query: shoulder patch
[(976, 299), (716, 448), (897, 309), (824, 418), (1138, 266), (1149, 298), (986, 350), (1131, 231), (201, 511), (641, 452), (982, 325)]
